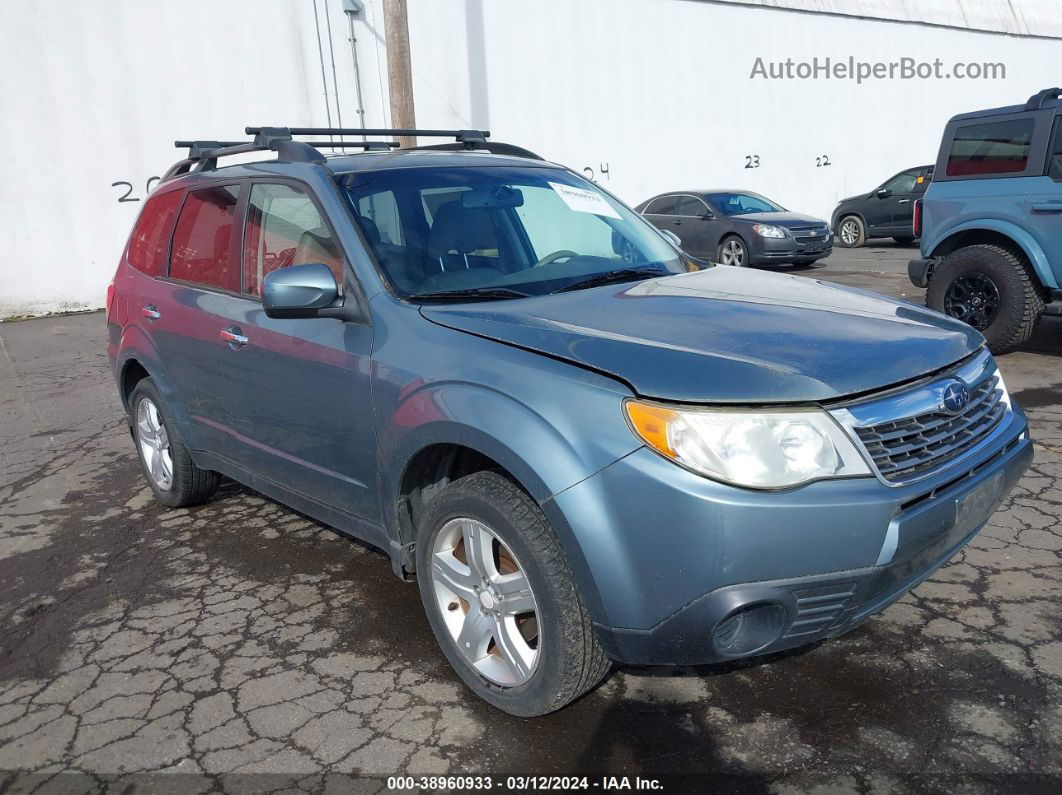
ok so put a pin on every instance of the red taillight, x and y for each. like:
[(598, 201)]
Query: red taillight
[(109, 306), (916, 224)]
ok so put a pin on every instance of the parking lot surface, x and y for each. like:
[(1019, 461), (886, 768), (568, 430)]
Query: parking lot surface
[(239, 645)]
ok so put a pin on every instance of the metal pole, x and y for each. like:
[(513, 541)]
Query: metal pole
[(357, 73), (399, 71)]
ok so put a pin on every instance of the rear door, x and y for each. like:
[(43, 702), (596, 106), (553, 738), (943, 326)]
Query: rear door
[(187, 308), (898, 205), (1044, 203), (696, 225), (661, 213), (298, 390)]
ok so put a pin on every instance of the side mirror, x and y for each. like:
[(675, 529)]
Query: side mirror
[(881, 193), (708, 216), (300, 291), (671, 238)]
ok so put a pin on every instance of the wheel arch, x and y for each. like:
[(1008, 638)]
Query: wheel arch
[(999, 233)]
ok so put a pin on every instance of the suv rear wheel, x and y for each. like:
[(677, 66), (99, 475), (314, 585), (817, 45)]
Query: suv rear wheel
[(501, 599), (852, 232), (167, 464), (992, 289)]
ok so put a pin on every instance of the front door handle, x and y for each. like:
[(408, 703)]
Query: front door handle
[(150, 312), (231, 336), (1047, 207)]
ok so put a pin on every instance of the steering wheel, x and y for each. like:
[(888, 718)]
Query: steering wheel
[(556, 255)]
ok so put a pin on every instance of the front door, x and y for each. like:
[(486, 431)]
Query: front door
[(897, 206), (298, 390)]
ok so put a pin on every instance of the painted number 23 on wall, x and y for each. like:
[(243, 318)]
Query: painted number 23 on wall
[(128, 189)]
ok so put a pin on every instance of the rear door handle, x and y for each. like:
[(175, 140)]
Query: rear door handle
[(233, 338), (1047, 207), (150, 312), (904, 201)]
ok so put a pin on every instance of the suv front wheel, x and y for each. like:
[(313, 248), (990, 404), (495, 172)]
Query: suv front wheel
[(501, 599), (992, 289)]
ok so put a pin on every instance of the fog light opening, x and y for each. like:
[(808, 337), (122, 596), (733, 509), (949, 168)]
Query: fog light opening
[(749, 629)]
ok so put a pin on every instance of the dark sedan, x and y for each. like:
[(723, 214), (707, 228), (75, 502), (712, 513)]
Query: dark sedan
[(739, 228)]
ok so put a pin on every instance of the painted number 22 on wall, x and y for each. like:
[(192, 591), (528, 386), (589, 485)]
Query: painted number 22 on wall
[(128, 186)]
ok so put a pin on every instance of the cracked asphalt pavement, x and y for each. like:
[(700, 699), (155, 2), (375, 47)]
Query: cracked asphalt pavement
[(240, 646)]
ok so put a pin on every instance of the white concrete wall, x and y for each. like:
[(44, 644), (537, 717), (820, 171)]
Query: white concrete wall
[(659, 90)]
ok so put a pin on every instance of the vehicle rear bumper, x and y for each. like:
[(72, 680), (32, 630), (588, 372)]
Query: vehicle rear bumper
[(824, 557), (919, 270)]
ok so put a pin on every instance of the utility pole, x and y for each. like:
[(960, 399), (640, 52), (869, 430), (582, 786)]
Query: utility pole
[(399, 73)]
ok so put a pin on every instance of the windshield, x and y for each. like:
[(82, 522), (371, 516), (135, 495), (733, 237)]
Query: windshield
[(501, 230), (743, 203)]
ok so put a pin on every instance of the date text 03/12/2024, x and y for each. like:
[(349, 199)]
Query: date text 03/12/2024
[(522, 783)]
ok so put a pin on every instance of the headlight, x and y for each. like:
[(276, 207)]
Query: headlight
[(755, 449), (766, 230)]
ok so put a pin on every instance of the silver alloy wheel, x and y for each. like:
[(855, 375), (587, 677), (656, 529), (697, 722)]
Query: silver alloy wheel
[(154, 443), (485, 600), (850, 231), (733, 253)]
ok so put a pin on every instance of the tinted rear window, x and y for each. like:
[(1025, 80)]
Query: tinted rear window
[(1000, 147), (151, 235), (202, 240), (1054, 164)]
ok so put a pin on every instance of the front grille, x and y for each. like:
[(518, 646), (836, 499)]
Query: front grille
[(819, 607), (907, 448)]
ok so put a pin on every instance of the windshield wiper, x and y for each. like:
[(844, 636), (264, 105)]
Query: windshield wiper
[(614, 277), (489, 293)]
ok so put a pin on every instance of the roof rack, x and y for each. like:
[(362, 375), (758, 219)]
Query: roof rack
[(1037, 100), (203, 155)]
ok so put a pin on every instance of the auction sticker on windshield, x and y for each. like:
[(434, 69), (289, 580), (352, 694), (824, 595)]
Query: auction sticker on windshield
[(584, 201)]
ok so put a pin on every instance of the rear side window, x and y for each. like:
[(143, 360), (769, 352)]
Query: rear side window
[(1000, 147), (691, 206), (151, 235), (1054, 160), (665, 205), (284, 228), (202, 240)]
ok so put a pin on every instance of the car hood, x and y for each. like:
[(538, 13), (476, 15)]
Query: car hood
[(779, 219), (727, 335)]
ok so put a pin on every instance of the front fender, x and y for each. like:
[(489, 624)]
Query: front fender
[(1033, 251)]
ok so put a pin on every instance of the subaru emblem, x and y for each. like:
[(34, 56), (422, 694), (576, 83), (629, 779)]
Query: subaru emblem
[(954, 398)]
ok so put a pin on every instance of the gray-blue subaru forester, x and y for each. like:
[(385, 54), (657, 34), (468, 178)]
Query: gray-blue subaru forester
[(585, 445)]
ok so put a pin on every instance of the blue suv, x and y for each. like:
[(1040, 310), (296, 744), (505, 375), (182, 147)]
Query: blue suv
[(584, 446), (991, 222)]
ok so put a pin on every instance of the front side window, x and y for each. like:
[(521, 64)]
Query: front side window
[(151, 235), (1000, 147), (284, 227), (903, 183), (526, 230), (743, 203), (201, 250)]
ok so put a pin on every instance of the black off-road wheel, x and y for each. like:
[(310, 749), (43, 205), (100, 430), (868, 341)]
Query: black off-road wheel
[(993, 289), (168, 466), (501, 599)]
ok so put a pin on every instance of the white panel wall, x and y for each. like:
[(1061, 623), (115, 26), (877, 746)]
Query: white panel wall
[(659, 90)]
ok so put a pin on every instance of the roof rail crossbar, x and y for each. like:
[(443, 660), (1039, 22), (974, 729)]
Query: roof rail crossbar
[(1037, 100), (472, 139)]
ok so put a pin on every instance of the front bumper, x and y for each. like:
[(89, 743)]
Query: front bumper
[(763, 250), (672, 555)]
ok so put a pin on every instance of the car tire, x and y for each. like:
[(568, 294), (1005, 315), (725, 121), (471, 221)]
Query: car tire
[(993, 289), (733, 251), (167, 465), (903, 240), (567, 658), (852, 228)]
